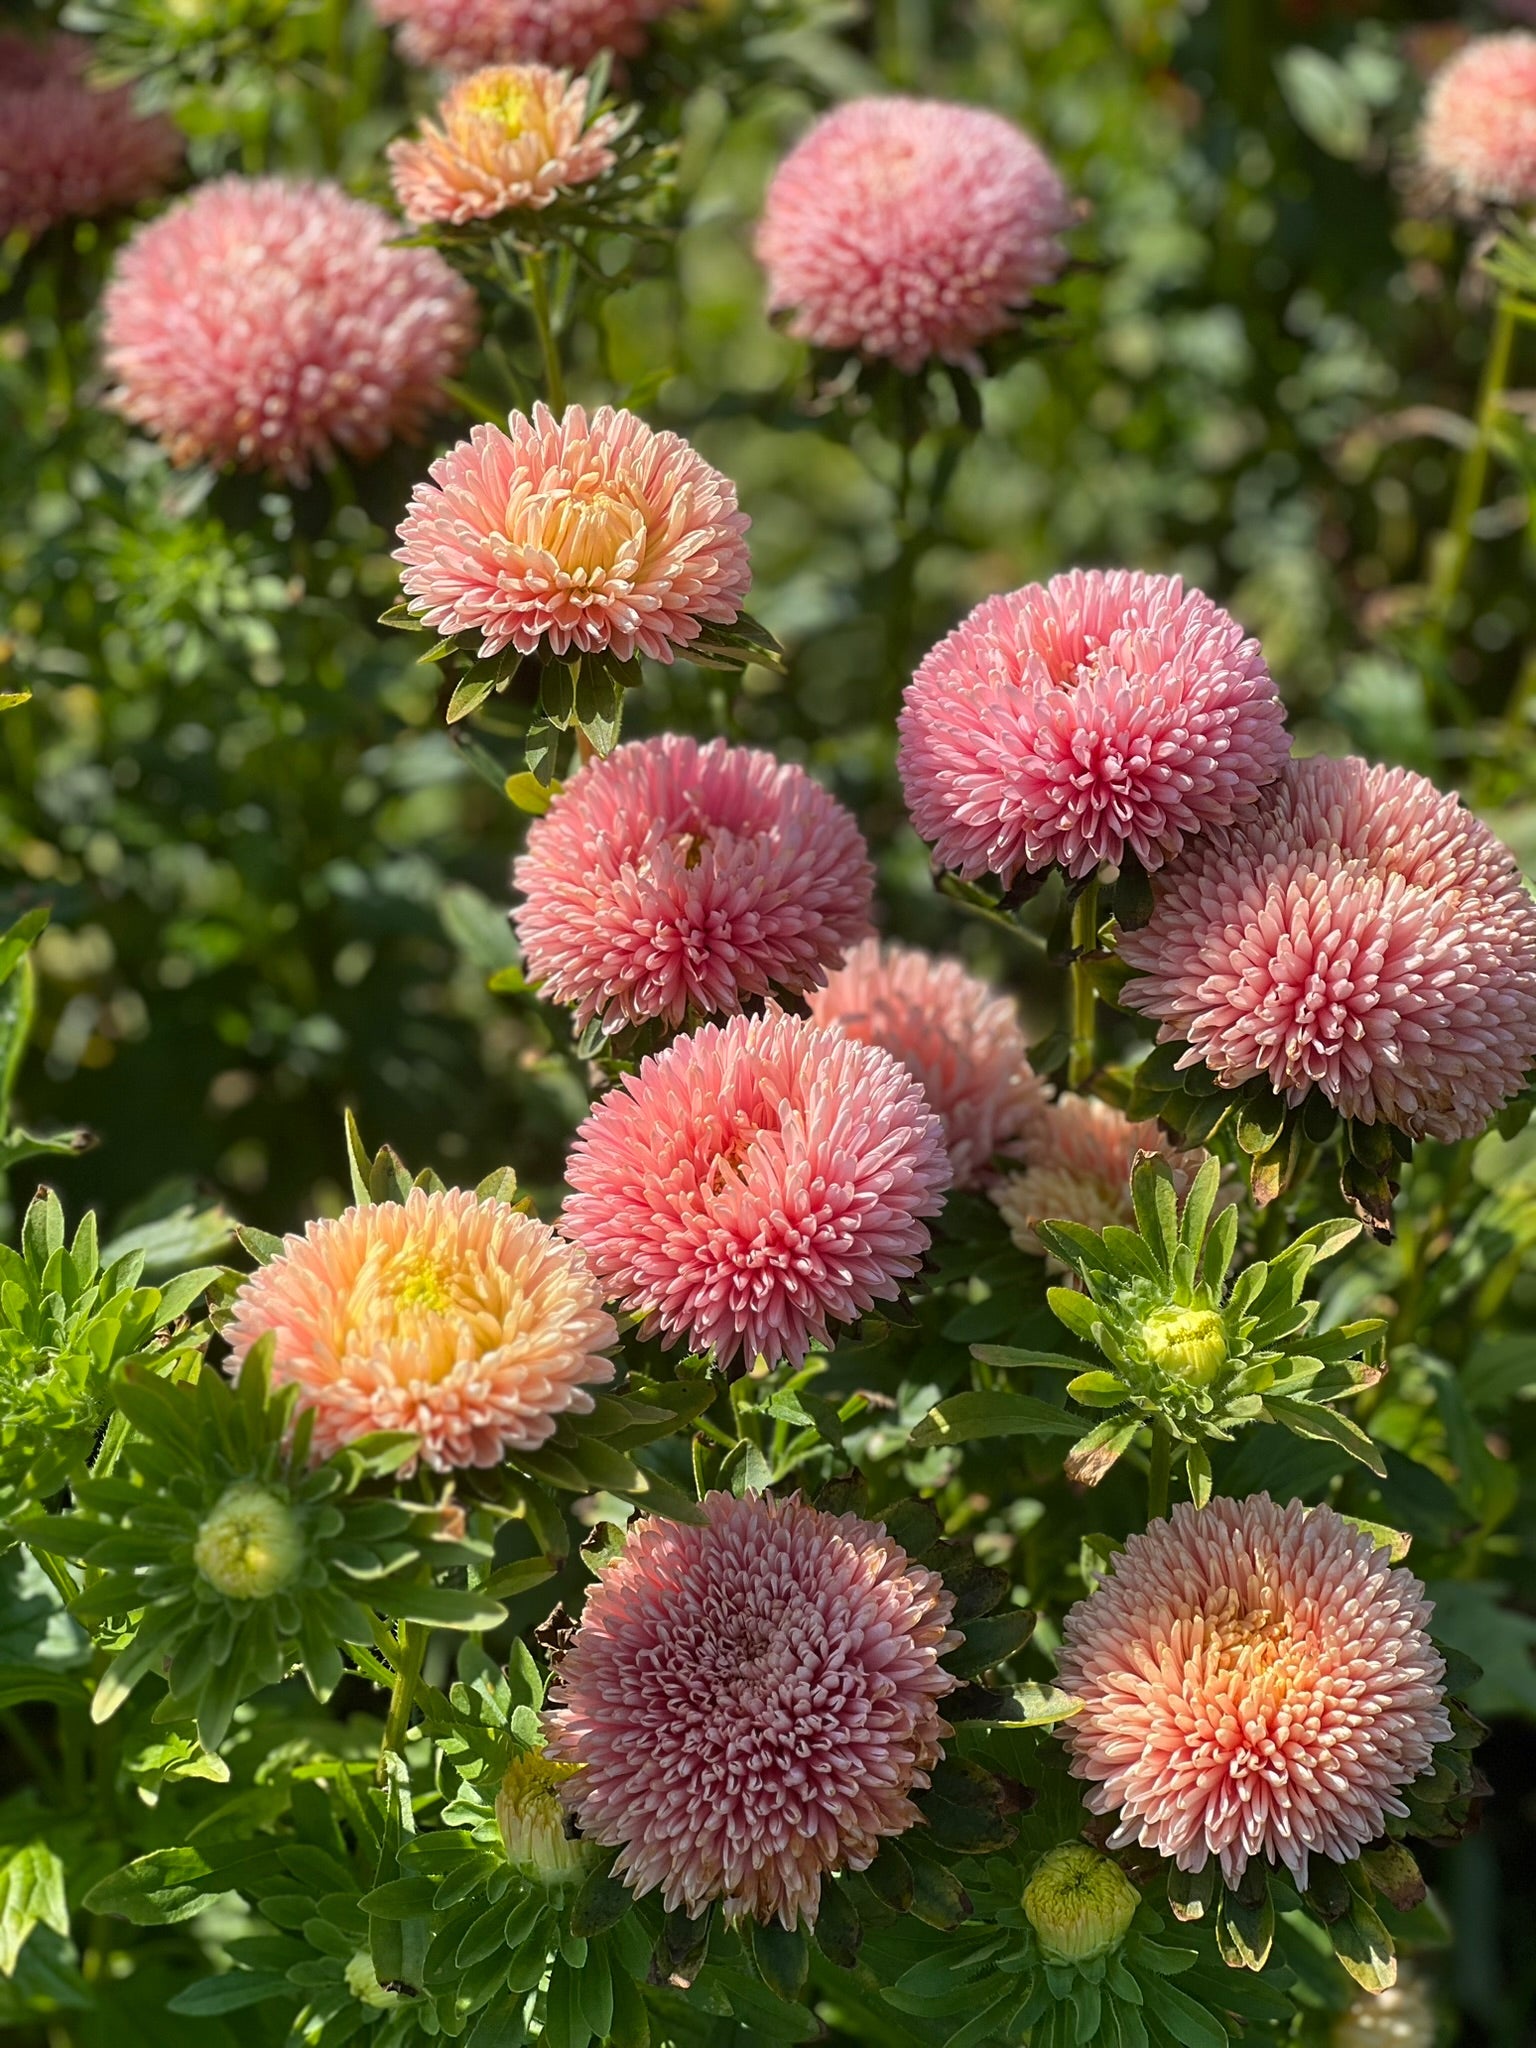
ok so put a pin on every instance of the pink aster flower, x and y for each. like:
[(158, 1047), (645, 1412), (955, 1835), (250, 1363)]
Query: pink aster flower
[(1255, 1681), (959, 1040), (1075, 721), (756, 1181), (673, 876), (1477, 140), (911, 228), (268, 323), (1360, 933), (751, 1703), (513, 137), (1080, 1153), (69, 151), (577, 534), (464, 1320), (461, 34)]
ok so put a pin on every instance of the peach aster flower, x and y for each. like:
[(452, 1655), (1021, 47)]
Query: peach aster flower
[(911, 228), (511, 138), (958, 1038), (673, 875), (1256, 1681), (1081, 1152), (755, 1182), (576, 534), (267, 323), (464, 1320), (752, 1703)]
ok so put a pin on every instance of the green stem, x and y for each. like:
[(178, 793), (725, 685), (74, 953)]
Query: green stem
[(412, 1640), (1083, 1056), (1472, 478), (1158, 1465), (538, 299)]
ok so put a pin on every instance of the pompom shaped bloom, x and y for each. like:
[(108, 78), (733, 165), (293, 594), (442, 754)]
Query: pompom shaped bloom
[(909, 229), (512, 137), (1073, 722), (461, 34), (755, 1182), (267, 323), (959, 1039), (576, 534), (1361, 933), (67, 150), (752, 1702), (464, 1320), (673, 876), (1477, 140), (1256, 1681), (1081, 1152)]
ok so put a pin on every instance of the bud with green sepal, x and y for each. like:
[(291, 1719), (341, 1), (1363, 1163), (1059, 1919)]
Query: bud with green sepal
[(1194, 1354)]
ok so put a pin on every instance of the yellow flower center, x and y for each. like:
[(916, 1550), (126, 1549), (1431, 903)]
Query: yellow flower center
[(595, 534), (1080, 1903), (424, 1287), (251, 1545), (532, 1818), (1186, 1343), (501, 98)]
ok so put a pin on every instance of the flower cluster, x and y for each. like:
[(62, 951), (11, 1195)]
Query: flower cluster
[(270, 324), (751, 1703), (673, 879)]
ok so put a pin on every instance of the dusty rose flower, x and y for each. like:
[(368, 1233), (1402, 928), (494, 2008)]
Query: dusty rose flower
[(67, 150), (576, 534), (751, 1703), (1255, 1681), (1360, 933), (1081, 1152), (755, 1182), (959, 1040), (674, 876), (268, 323), (513, 137), (911, 228), (1477, 140), (1085, 718), (464, 1320), (461, 34)]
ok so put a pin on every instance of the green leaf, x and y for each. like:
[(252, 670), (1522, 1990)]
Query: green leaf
[(1008, 1356), (992, 1640), (31, 1893), (469, 694), (169, 1885), (529, 794), (1363, 1945), (783, 1958), (1325, 101), (601, 1903), (1097, 1390), (231, 1993), (1324, 1425), (1188, 2023), (965, 1417)]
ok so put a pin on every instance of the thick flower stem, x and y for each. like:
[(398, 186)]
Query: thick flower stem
[(1158, 1465), (412, 1638), (1083, 1056), (538, 299), (1472, 479)]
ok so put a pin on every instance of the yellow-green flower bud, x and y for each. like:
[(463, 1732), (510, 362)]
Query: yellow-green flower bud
[(532, 1818), (1079, 1903), (1186, 1343), (363, 1983), (251, 1545)]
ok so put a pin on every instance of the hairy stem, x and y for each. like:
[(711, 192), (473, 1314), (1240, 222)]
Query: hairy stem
[(1083, 1056)]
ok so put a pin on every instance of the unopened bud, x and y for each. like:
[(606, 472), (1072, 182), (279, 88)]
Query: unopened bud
[(363, 1983), (533, 1821), (1079, 1902), (1186, 1343), (251, 1545)]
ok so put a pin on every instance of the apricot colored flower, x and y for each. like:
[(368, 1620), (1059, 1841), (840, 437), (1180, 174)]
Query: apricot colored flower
[(911, 228), (1477, 140), (1080, 1153), (752, 1703), (755, 1182), (959, 1040), (673, 876), (1075, 722), (1256, 1681), (462, 34), (269, 323), (575, 534), (510, 138), (464, 1320), (1360, 933), (69, 150)]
